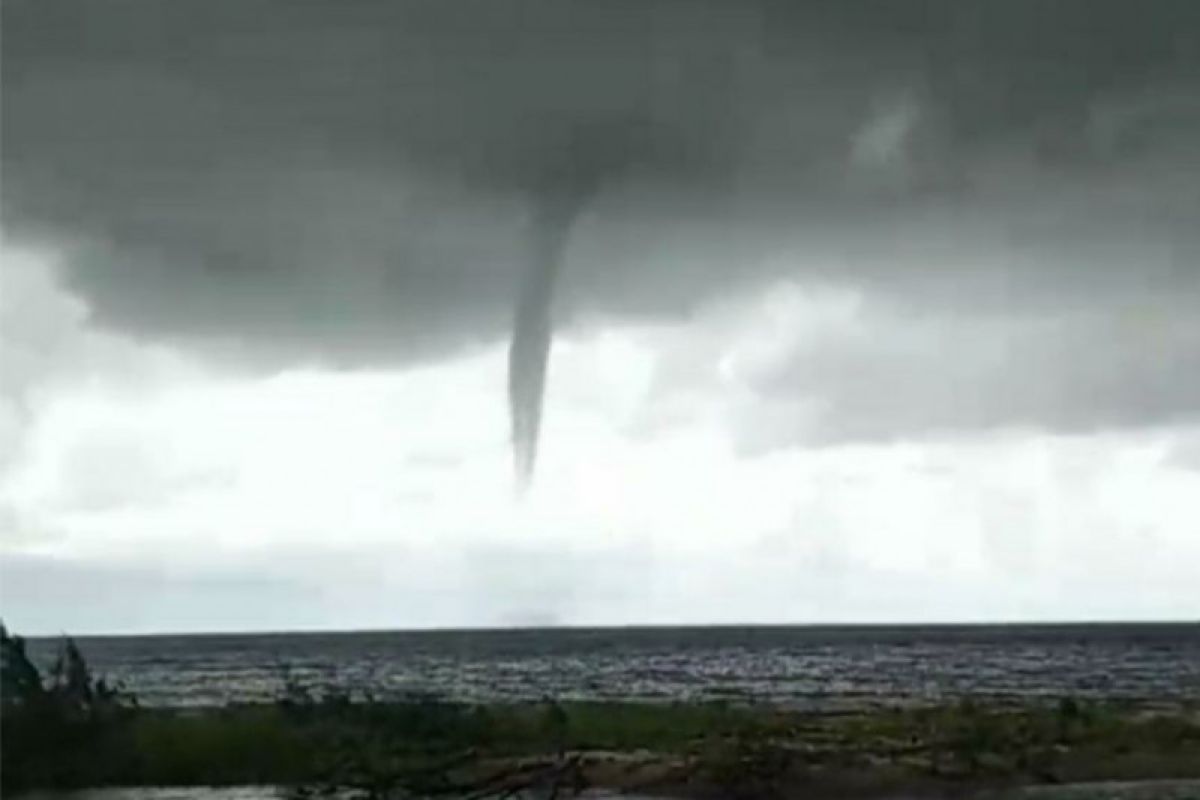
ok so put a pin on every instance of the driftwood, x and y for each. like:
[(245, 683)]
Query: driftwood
[(461, 776), (563, 774)]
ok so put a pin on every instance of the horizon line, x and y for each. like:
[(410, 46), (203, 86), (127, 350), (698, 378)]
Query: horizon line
[(640, 626)]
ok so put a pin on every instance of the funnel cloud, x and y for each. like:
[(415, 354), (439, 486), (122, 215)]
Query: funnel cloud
[(375, 184), (529, 351), (857, 310)]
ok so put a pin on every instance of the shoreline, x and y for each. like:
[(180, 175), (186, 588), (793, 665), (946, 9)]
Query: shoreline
[(1140, 790)]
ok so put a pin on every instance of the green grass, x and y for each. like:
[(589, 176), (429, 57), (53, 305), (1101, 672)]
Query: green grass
[(339, 742)]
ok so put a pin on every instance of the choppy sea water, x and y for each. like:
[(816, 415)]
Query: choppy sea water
[(821, 668)]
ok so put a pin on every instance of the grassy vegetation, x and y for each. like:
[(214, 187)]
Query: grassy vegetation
[(66, 733), (739, 750)]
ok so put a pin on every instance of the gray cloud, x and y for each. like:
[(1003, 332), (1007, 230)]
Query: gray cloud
[(906, 372), (41, 594), (39, 331), (325, 587), (1186, 453), (354, 182), (46, 342)]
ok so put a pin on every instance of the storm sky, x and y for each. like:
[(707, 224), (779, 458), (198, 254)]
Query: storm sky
[(855, 311)]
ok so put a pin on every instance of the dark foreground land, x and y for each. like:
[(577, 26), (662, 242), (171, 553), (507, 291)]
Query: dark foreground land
[(432, 748), (69, 731)]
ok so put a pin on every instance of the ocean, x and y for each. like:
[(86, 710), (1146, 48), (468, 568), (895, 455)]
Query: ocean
[(817, 668)]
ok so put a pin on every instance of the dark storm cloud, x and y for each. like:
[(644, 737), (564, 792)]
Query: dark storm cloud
[(339, 173), (357, 181)]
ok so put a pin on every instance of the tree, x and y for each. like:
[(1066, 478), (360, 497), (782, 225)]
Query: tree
[(20, 682), (71, 679)]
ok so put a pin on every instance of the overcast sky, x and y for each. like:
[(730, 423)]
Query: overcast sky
[(863, 312)]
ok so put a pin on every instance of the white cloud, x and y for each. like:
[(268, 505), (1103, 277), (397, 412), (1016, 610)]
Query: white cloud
[(178, 496)]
